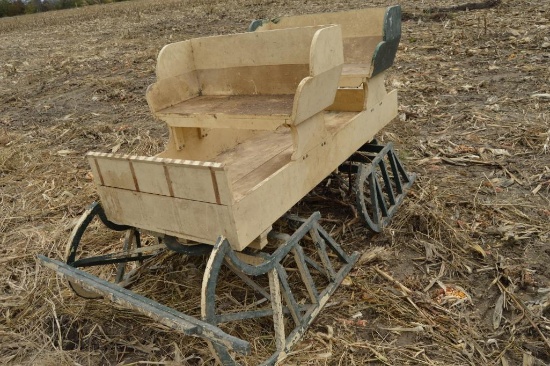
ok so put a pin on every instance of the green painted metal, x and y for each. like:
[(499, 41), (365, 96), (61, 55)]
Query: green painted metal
[(161, 313), (302, 315), (385, 52), (385, 192)]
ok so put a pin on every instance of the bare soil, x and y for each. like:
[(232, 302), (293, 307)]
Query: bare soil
[(461, 277)]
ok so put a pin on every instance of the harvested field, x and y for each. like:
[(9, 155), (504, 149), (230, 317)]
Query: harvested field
[(461, 277)]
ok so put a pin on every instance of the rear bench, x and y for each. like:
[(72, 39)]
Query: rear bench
[(370, 40)]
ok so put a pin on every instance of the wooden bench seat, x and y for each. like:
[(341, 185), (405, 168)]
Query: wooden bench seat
[(258, 112), (247, 82)]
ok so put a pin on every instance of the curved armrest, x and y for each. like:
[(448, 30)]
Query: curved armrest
[(176, 77), (317, 91), (384, 54)]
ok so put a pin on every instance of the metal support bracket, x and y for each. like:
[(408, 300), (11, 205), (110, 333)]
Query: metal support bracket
[(334, 263), (381, 183)]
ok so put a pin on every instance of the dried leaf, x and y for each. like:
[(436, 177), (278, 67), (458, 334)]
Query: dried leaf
[(373, 254), (504, 361), (477, 248), (66, 152), (528, 360), (116, 148), (498, 152), (537, 189), (347, 281), (497, 314)]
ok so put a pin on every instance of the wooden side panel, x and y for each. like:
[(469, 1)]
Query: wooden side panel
[(187, 219), (176, 77), (308, 135), (286, 186), (223, 185), (113, 172), (349, 99), (315, 94), (360, 50), (326, 50), (193, 183), (356, 24), (376, 91), (175, 59), (192, 180), (151, 178), (385, 52), (359, 22), (167, 92), (207, 147)]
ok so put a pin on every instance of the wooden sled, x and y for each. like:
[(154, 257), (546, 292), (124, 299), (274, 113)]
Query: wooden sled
[(254, 126)]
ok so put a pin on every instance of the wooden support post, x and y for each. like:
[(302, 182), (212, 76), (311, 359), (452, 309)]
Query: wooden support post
[(277, 305)]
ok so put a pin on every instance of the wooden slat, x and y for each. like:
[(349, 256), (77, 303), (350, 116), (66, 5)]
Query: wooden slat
[(194, 183), (277, 306), (286, 46), (193, 180), (326, 50), (206, 148), (359, 50), (113, 172), (355, 23), (251, 154), (262, 112), (253, 80)]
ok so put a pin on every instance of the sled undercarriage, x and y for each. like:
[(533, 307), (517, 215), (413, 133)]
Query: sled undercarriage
[(320, 262)]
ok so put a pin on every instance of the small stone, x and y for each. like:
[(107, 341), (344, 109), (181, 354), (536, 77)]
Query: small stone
[(491, 100)]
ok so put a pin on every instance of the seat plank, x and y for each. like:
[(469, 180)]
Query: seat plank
[(248, 156), (265, 112)]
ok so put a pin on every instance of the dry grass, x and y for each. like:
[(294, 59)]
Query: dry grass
[(477, 219)]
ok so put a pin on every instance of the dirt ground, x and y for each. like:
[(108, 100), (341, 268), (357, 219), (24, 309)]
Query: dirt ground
[(474, 124)]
